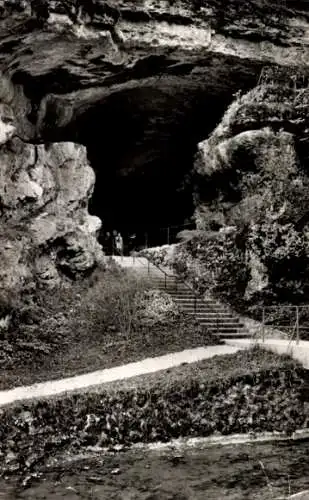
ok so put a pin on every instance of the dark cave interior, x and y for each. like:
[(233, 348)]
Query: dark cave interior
[(141, 144)]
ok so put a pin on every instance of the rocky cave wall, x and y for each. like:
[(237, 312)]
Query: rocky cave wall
[(132, 87), (253, 177), (46, 230)]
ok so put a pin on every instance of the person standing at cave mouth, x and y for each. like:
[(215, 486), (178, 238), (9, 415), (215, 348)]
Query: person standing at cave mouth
[(114, 235), (108, 243), (119, 244)]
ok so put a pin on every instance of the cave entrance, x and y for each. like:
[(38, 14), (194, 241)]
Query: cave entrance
[(152, 207), (141, 142), (141, 122)]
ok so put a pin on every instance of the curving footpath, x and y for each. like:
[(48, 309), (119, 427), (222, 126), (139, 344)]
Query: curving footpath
[(148, 365), (300, 351)]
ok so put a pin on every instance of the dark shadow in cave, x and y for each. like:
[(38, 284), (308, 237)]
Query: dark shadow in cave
[(141, 143)]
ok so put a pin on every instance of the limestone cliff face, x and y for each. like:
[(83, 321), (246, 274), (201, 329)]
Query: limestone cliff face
[(46, 230), (257, 162), (68, 74)]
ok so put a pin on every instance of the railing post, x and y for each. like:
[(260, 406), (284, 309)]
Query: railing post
[(148, 266), (263, 325), (165, 281), (195, 304), (297, 325)]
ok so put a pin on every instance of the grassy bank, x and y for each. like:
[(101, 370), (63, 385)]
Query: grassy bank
[(80, 352), (87, 326), (250, 391)]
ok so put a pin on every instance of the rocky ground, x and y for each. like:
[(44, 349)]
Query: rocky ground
[(238, 472)]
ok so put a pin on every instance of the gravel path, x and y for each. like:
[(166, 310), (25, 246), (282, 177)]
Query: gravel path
[(99, 377)]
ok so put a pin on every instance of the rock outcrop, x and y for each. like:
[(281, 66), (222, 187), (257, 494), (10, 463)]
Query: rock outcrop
[(67, 64), (46, 229), (257, 162), (139, 84)]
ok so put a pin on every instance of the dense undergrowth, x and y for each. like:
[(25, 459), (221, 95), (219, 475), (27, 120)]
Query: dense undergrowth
[(42, 319), (109, 319), (250, 391)]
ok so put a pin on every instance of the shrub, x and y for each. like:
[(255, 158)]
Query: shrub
[(116, 300), (213, 262), (43, 320), (159, 256), (174, 333), (155, 306)]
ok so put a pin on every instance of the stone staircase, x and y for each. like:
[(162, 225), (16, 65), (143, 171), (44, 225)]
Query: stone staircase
[(215, 316)]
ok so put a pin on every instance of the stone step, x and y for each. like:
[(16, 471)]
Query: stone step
[(162, 278), (212, 315), (235, 336), (207, 310), (204, 317), (173, 288), (209, 307), (239, 335), (190, 297), (170, 281), (198, 303), (184, 295), (180, 296), (214, 323), (205, 307), (154, 273), (171, 285), (219, 326), (222, 329)]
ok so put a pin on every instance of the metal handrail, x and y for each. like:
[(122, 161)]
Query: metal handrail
[(295, 329), (197, 296), (293, 334)]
